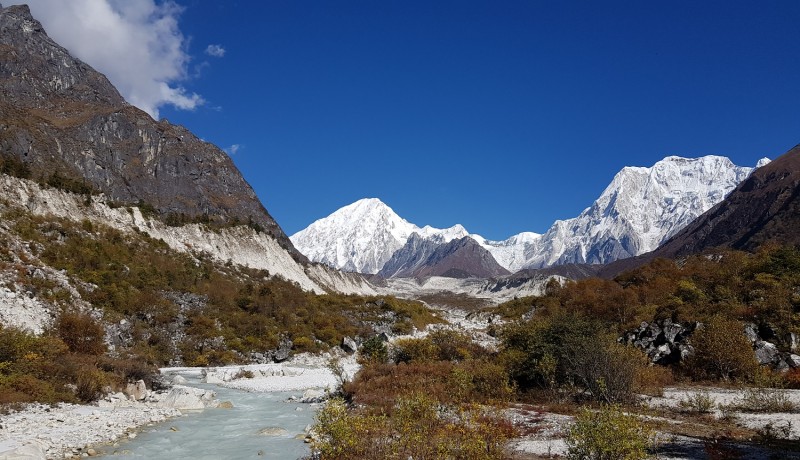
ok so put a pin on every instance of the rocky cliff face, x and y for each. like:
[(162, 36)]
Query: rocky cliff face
[(58, 115), (461, 258), (410, 258)]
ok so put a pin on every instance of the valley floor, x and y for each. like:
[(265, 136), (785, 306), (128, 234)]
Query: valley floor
[(684, 431)]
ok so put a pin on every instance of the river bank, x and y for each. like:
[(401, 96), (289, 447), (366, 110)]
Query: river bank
[(71, 430)]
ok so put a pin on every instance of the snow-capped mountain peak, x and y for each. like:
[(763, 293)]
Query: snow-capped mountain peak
[(362, 236), (641, 208)]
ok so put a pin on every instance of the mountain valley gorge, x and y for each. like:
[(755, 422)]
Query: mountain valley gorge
[(135, 255)]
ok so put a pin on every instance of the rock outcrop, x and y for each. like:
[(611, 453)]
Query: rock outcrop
[(664, 342), (667, 342)]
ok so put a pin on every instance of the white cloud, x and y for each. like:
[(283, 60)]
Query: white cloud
[(232, 149), (215, 50), (137, 44)]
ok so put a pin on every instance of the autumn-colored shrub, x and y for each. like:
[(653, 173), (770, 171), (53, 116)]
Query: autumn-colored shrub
[(418, 427), (414, 349), (90, 383), (721, 351), (82, 333)]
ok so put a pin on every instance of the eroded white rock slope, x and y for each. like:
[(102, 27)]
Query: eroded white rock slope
[(239, 245)]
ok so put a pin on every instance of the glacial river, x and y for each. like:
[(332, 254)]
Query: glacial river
[(227, 433)]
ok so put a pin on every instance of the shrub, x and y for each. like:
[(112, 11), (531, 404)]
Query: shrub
[(340, 435), (488, 381), (90, 384), (81, 333), (608, 371), (699, 402), (418, 427), (454, 345), (374, 349), (608, 434), (722, 351), (567, 350), (764, 400), (414, 350), (304, 344)]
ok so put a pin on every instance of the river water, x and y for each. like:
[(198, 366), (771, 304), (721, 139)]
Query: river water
[(227, 433)]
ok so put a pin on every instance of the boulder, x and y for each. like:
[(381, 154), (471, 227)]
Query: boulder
[(213, 378), (657, 354), (179, 380), (793, 360), (283, 351), (30, 451), (349, 345), (188, 398), (766, 352), (672, 331), (313, 395), (291, 371), (791, 340), (273, 431), (136, 391), (685, 350), (751, 331)]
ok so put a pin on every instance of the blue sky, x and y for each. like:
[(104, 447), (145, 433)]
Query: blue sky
[(502, 116)]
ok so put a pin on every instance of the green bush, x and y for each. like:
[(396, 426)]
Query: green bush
[(608, 434), (568, 350), (374, 350)]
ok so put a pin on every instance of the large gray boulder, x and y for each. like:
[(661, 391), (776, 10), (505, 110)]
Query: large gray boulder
[(349, 345), (766, 352), (188, 398), (137, 391), (283, 351)]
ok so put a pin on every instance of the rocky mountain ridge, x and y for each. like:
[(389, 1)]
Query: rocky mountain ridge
[(639, 210), (459, 258), (61, 117)]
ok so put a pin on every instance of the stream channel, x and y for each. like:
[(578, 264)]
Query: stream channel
[(227, 433)]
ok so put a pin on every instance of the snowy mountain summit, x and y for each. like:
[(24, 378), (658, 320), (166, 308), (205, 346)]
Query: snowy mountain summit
[(361, 237), (640, 209)]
